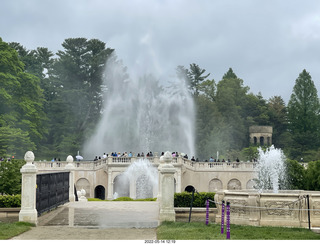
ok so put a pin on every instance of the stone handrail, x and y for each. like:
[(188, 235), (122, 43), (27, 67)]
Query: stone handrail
[(93, 165)]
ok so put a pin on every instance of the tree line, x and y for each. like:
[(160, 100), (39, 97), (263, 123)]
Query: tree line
[(50, 104)]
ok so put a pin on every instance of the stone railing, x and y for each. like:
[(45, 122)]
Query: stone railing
[(94, 165), (286, 208)]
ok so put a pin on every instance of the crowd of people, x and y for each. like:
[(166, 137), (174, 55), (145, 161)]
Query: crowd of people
[(150, 154), (130, 154)]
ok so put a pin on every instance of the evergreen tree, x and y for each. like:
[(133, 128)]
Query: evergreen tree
[(230, 99), (196, 77), (303, 112), (278, 118), (21, 108), (77, 104)]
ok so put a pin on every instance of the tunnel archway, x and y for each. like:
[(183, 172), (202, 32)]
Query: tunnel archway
[(100, 192)]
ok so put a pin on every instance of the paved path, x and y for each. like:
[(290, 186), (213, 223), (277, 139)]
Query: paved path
[(97, 221)]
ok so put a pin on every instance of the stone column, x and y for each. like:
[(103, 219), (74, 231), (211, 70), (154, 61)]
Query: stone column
[(28, 212), (254, 212), (70, 167), (133, 188), (166, 190), (110, 185), (178, 186)]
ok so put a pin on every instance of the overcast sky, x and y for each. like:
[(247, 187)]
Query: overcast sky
[(267, 43)]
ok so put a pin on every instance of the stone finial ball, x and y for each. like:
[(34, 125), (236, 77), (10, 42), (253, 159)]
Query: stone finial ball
[(83, 192), (69, 159), (167, 157), (29, 157)]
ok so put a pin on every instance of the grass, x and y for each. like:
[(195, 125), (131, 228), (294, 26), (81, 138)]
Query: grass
[(200, 231), (9, 230)]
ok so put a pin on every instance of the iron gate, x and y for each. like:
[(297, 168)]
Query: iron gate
[(52, 191)]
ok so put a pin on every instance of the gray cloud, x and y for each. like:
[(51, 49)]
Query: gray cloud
[(267, 43)]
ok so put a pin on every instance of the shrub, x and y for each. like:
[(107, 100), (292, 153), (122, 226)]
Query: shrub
[(123, 199), (94, 199), (10, 176), (184, 199), (10, 201)]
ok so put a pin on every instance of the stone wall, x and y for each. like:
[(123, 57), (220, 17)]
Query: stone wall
[(286, 208), (203, 176)]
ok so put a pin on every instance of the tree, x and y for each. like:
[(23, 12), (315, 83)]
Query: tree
[(303, 113), (296, 175), (278, 118), (230, 100), (313, 176), (196, 77), (21, 108), (255, 110), (79, 74)]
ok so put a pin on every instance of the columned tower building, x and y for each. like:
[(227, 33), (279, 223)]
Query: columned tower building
[(261, 135)]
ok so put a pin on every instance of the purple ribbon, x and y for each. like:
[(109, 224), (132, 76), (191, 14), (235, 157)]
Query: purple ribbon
[(222, 217), (228, 220), (207, 213)]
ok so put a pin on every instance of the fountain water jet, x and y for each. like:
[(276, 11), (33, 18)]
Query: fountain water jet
[(271, 169), (145, 176), (140, 115)]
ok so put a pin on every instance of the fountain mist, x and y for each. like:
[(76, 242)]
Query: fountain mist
[(139, 115), (145, 176), (271, 169)]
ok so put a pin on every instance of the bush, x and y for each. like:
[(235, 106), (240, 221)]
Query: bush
[(10, 176), (123, 199), (184, 199), (10, 201), (94, 199)]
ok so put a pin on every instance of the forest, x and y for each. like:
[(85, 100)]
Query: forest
[(50, 103)]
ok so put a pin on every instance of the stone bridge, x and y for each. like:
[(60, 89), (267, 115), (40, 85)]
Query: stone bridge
[(100, 178)]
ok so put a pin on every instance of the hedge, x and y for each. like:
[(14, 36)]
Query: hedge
[(10, 201), (184, 199)]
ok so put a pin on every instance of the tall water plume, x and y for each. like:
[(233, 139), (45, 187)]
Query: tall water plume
[(140, 115), (271, 169)]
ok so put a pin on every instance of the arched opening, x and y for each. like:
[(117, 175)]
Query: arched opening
[(121, 186), (215, 185), (261, 140), (189, 188), (234, 184), (83, 183), (100, 192), (255, 140), (251, 184)]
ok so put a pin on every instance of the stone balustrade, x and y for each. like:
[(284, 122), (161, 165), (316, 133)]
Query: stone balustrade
[(93, 165)]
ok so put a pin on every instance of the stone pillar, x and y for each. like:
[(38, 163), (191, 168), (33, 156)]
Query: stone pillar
[(28, 212), (254, 211), (70, 167), (178, 186), (133, 188), (218, 197), (166, 190), (110, 185)]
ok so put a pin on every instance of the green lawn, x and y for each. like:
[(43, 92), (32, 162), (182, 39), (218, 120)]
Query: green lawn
[(8, 230), (200, 231)]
